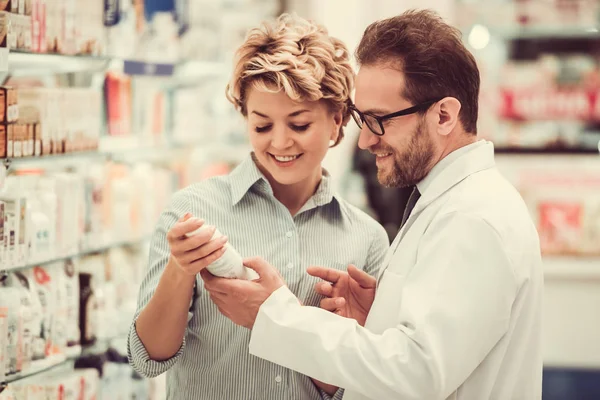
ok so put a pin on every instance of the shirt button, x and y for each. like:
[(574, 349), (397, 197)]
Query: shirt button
[(290, 265), (278, 379), (289, 234)]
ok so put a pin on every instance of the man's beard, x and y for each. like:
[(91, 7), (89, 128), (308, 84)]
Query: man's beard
[(410, 166)]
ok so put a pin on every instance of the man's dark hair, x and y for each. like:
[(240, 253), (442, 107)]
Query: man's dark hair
[(432, 57)]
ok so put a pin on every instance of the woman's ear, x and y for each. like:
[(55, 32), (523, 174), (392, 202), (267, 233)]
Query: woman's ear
[(448, 110), (338, 120)]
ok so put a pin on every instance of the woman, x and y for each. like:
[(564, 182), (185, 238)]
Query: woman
[(292, 83)]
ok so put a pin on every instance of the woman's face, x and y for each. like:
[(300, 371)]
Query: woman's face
[(290, 139)]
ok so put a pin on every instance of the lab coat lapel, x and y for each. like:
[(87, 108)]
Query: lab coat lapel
[(476, 160)]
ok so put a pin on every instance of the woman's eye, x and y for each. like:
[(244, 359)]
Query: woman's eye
[(300, 128), (261, 129)]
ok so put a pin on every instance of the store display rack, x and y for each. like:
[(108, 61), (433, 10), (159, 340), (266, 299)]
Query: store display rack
[(61, 360), (546, 151), (37, 368), (541, 32), (82, 253), (23, 63)]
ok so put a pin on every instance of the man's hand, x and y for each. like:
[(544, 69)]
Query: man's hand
[(239, 300), (349, 294)]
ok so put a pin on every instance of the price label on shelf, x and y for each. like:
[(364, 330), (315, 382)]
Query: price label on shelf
[(147, 69), (555, 104)]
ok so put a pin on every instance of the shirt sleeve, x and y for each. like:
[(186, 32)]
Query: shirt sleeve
[(456, 306), (338, 395), (137, 354), (377, 251)]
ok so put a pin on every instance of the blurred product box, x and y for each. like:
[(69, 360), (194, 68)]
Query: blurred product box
[(38, 26), (11, 6), (53, 23), (61, 120), (8, 35), (3, 144), (565, 206), (89, 27), (7, 131), (21, 26), (118, 97), (9, 108)]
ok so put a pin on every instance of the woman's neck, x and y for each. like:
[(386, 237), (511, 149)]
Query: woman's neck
[(295, 196)]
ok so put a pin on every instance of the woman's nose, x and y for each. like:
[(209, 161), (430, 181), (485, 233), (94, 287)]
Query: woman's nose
[(281, 139)]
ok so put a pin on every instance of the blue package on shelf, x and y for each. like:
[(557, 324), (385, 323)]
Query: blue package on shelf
[(153, 6), (179, 8), (572, 384), (112, 12), (182, 15)]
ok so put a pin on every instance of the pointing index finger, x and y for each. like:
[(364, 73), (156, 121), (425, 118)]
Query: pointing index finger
[(327, 274)]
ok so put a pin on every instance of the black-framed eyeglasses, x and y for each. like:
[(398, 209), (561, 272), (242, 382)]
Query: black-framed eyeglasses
[(375, 123)]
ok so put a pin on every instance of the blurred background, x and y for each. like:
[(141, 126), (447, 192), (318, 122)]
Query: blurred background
[(108, 107)]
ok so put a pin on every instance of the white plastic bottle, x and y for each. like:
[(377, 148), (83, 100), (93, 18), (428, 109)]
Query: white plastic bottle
[(50, 202), (39, 232), (230, 264)]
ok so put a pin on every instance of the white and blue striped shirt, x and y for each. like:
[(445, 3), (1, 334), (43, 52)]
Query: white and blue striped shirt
[(213, 362)]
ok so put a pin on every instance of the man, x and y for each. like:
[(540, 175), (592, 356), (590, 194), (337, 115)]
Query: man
[(457, 312)]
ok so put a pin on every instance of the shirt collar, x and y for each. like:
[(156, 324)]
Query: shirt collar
[(454, 168), (444, 162), (247, 175)]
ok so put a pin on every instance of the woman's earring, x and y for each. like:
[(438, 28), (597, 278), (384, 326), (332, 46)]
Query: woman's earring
[(333, 142)]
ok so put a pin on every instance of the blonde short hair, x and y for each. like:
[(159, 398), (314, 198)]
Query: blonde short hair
[(298, 57)]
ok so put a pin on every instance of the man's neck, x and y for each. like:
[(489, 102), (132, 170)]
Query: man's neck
[(458, 141)]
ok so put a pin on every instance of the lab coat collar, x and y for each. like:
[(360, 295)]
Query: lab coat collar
[(447, 173), (453, 169)]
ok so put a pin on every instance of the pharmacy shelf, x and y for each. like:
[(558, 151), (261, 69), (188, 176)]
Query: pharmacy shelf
[(61, 360), (21, 63), (547, 32), (39, 367), (116, 151), (585, 268), (83, 253), (54, 158), (545, 151)]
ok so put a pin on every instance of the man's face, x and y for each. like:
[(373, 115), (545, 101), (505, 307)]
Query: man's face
[(405, 153)]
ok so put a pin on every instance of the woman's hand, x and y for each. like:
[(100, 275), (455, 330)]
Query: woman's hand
[(193, 254)]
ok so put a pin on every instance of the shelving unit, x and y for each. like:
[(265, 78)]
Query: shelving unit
[(21, 63), (38, 367), (61, 360), (541, 32), (572, 268), (82, 253), (544, 151), (138, 120), (547, 83)]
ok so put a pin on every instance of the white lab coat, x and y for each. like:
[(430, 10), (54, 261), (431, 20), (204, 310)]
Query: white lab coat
[(457, 312)]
